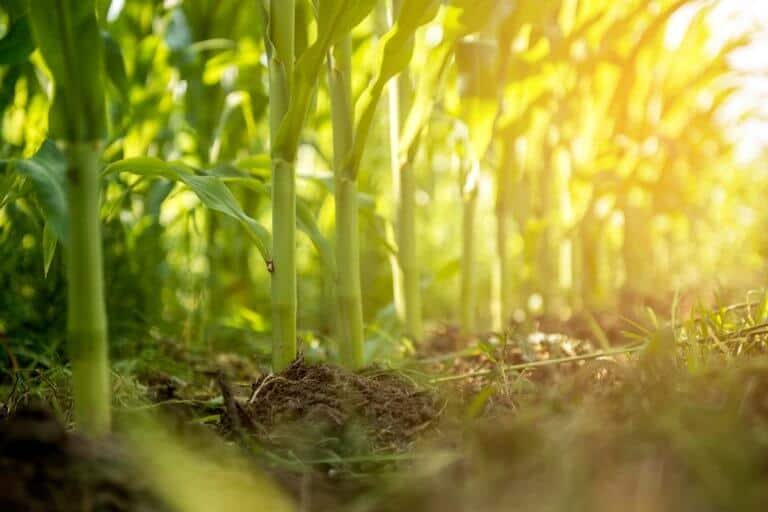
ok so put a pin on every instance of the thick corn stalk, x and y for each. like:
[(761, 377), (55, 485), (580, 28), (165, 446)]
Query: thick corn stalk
[(67, 34), (348, 291), (282, 15)]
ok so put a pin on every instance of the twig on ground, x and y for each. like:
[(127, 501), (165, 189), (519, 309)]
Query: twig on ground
[(535, 364)]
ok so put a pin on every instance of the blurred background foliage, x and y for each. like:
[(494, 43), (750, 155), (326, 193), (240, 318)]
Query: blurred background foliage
[(603, 137)]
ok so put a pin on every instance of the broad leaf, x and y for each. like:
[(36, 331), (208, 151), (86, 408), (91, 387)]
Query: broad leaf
[(115, 66), (336, 18), (459, 18), (211, 191), (305, 219), (395, 55), (46, 171), (50, 240)]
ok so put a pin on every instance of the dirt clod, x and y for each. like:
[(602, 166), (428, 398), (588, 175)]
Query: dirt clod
[(380, 408)]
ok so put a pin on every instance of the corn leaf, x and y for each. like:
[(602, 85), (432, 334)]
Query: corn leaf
[(211, 191), (431, 77), (50, 240), (335, 18), (46, 171), (395, 55), (305, 218), (306, 221), (464, 17), (115, 67)]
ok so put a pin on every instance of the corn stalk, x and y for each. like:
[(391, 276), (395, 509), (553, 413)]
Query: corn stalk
[(348, 291), (405, 266), (282, 15), (292, 86), (67, 34)]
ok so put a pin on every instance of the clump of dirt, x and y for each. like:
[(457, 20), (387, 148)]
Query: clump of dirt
[(44, 468), (445, 339), (161, 386), (382, 409)]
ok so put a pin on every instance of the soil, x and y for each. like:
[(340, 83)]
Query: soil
[(636, 439), (333, 410), (586, 435), (45, 468)]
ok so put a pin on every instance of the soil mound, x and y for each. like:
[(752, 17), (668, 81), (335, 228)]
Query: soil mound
[(382, 409)]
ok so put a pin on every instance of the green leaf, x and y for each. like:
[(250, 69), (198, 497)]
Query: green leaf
[(478, 402), (336, 18), (395, 55), (257, 165), (459, 18), (423, 104), (365, 202), (305, 219), (8, 182), (50, 240), (46, 170), (464, 17), (211, 191), (102, 9), (17, 45), (115, 66), (153, 200)]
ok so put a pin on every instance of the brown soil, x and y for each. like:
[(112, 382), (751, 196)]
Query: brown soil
[(334, 410), (597, 441), (443, 340), (491, 355), (44, 468)]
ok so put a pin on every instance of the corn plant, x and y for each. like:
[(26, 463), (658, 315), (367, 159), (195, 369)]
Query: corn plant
[(292, 86), (410, 109), (348, 291), (475, 62), (349, 144), (280, 45), (405, 270), (67, 34), (396, 50), (469, 177)]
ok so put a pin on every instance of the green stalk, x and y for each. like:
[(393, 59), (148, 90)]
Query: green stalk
[(398, 290), (282, 15), (637, 263), (556, 280), (67, 35), (406, 243), (503, 307), (406, 277), (468, 266), (348, 291), (86, 313)]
